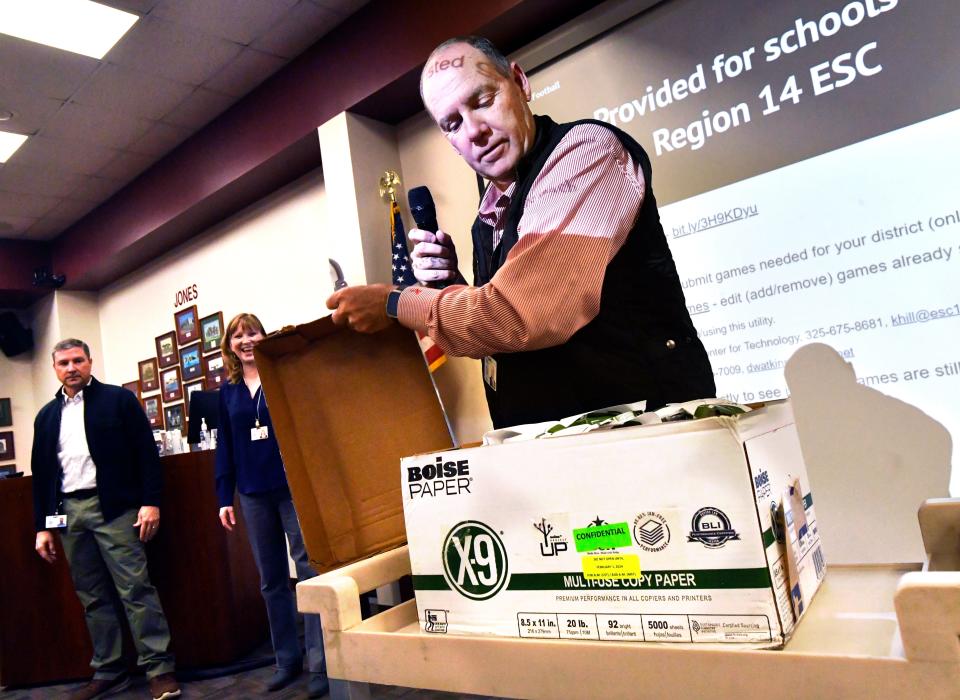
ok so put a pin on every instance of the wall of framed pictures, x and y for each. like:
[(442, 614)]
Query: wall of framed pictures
[(187, 359), (269, 260)]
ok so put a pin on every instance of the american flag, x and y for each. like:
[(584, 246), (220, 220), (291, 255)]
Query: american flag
[(402, 269), (403, 276)]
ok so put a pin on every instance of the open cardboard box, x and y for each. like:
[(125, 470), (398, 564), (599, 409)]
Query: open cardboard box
[(656, 533), (346, 408)]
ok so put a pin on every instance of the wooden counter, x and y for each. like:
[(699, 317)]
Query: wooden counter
[(206, 577)]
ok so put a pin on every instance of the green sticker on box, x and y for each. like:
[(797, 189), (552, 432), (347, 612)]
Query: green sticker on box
[(602, 537)]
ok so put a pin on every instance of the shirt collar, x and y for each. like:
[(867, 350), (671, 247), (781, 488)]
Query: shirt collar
[(78, 397), (494, 202)]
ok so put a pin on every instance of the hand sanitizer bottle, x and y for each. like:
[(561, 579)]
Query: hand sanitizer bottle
[(204, 442)]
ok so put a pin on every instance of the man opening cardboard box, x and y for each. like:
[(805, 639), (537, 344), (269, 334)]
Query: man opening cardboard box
[(657, 533)]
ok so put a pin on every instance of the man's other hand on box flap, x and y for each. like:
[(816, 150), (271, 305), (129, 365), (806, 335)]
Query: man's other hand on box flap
[(363, 308)]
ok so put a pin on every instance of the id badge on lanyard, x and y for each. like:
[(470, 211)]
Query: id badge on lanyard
[(259, 432), (56, 521)]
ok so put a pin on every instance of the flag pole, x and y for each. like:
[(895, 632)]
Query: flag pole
[(389, 183)]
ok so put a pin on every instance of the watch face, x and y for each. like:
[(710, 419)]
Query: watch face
[(393, 302)]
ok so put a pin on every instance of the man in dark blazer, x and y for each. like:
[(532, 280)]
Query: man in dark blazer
[(95, 465)]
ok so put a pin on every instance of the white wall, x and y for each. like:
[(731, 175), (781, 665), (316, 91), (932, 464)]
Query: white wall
[(45, 323), (269, 260), (78, 315), (342, 212), (356, 153)]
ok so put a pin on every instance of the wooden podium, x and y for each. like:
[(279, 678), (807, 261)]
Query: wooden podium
[(206, 577)]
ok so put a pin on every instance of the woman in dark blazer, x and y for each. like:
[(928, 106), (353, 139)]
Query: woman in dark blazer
[(249, 462)]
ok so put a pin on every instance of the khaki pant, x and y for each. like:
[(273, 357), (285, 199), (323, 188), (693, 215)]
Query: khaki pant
[(105, 557)]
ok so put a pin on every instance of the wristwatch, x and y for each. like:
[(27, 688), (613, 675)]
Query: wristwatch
[(393, 302)]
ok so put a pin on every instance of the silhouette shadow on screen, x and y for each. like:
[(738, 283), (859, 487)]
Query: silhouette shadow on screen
[(872, 460)]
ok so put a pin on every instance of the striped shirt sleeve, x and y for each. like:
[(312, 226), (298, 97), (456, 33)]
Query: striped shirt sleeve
[(578, 213)]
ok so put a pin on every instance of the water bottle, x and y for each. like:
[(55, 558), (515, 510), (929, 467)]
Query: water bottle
[(204, 442)]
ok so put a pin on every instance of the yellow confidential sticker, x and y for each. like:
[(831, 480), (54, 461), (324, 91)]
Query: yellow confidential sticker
[(601, 566)]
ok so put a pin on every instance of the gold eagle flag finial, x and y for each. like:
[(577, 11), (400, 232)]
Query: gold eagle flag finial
[(389, 184)]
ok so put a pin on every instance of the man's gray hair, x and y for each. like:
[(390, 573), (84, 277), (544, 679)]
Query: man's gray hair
[(500, 62), (68, 344)]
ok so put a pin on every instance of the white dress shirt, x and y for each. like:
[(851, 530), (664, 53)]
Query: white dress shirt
[(79, 471)]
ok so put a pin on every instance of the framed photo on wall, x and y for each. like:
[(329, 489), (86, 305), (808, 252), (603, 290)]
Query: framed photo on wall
[(133, 386), (185, 322), (6, 413), (211, 331), (167, 349), (6, 446), (173, 417), (151, 406), (190, 362), (149, 375), (172, 384), (214, 371)]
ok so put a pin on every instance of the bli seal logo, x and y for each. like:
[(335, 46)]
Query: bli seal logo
[(474, 560), (711, 527)]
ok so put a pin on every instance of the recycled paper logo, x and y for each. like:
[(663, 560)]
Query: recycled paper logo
[(474, 560), (711, 527), (651, 532)]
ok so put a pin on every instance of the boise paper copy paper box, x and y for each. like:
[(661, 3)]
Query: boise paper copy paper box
[(660, 533)]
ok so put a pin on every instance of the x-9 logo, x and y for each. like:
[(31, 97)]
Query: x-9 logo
[(474, 560)]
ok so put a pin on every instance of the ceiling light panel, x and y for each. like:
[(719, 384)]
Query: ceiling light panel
[(9, 143), (80, 26)]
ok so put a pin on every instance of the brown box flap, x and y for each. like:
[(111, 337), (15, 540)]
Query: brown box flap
[(346, 407)]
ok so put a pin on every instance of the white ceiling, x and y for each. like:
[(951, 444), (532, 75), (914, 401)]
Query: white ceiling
[(95, 125)]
